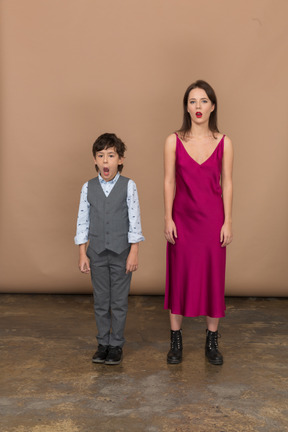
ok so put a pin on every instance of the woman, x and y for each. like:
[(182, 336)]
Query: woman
[(198, 219)]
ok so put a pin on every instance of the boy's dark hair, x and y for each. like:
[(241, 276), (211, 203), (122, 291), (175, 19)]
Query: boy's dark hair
[(108, 140)]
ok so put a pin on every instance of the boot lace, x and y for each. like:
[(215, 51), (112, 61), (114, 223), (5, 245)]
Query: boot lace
[(176, 342), (213, 340)]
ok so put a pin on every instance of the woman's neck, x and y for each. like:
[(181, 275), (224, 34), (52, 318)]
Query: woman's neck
[(199, 131)]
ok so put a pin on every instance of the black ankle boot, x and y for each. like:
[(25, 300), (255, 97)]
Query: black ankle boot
[(211, 349), (174, 356)]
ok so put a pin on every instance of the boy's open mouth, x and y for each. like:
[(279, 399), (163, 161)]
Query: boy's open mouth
[(105, 171)]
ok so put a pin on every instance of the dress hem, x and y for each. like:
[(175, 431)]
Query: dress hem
[(197, 315)]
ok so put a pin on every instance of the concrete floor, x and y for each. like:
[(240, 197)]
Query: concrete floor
[(49, 384)]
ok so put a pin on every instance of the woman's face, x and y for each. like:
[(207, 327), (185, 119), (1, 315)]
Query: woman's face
[(199, 106)]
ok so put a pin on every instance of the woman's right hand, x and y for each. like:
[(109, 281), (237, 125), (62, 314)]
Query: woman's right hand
[(170, 231)]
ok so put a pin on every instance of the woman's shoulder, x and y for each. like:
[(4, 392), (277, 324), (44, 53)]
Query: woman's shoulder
[(170, 142), (227, 140), (219, 136), (172, 137), (227, 145)]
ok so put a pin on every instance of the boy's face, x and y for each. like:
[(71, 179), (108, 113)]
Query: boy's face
[(107, 161)]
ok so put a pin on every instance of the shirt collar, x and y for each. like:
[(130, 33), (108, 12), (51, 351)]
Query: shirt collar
[(111, 182)]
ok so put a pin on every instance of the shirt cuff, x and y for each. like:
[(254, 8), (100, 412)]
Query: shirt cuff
[(135, 238), (80, 239)]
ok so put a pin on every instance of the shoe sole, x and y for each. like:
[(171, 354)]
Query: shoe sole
[(98, 361), (111, 363)]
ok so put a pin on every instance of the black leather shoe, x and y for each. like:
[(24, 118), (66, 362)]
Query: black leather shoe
[(101, 354), (211, 349), (114, 355), (174, 356)]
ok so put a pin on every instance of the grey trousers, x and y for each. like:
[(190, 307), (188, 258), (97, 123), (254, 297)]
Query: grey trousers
[(111, 287)]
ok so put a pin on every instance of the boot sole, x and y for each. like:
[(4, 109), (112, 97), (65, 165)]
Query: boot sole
[(217, 363)]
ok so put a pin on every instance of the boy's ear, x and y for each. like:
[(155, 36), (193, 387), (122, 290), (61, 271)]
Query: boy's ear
[(96, 167), (121, 160)]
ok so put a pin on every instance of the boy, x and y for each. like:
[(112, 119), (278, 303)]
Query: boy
[(109, 217)]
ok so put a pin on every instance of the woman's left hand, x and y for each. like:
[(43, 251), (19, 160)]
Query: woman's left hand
[(226, 235)]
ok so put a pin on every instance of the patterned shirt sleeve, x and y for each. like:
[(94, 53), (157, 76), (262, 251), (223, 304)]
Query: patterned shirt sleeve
[(135, 230), (83, 220)]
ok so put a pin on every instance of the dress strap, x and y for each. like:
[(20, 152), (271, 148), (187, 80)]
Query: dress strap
[(221, 145)]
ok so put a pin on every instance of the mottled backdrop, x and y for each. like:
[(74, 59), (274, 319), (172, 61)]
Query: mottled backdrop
[(73, 69)]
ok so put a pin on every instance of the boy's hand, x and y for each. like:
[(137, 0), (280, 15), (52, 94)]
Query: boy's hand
[(84, 264), (132, 259)]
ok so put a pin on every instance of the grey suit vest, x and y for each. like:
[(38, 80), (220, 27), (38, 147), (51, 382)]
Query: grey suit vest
[(109, 222)]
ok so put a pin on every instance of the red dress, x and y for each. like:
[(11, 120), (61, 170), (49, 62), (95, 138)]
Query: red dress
[(195, 269)]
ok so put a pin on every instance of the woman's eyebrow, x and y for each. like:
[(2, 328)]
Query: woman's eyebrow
[(204, 98)]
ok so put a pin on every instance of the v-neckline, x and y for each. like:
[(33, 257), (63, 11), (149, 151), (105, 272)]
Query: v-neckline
[(111, 189), (206, 160)]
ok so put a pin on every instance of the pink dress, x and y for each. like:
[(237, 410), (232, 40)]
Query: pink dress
[(195, 269)]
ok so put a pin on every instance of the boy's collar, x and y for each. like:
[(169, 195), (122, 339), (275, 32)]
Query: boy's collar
[(110, 181)]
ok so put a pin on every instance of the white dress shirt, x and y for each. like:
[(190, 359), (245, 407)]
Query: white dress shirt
[(83, 220)]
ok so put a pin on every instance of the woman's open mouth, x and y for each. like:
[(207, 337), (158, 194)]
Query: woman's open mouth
[(198, 114)]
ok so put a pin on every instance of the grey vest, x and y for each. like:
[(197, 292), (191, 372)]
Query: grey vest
[(109, 222)]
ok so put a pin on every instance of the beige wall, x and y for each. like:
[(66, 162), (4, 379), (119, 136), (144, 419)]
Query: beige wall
[(73, 69)]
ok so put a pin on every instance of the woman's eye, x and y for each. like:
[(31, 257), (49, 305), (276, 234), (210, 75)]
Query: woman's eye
[(205, 101), (192, 102)]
